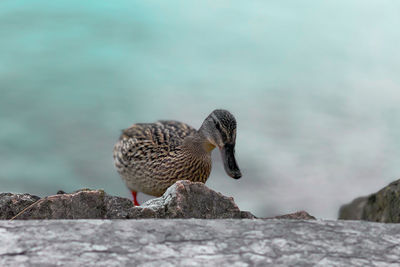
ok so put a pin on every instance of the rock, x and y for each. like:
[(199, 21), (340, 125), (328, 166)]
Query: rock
[(184, 199), (195, 242), (12, 204), (79, 205), (300, 215), (383, 206), (353, 210), (118, 208)]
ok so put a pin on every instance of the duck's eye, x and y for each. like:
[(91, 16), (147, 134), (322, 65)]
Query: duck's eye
[(222, 132), (218, 126)]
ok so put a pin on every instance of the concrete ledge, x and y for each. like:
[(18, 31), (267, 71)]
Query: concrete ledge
[(195, 242)]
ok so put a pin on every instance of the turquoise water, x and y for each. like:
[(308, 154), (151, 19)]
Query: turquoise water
[(315, 87)]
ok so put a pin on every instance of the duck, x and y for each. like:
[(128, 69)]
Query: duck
[(150, 157)]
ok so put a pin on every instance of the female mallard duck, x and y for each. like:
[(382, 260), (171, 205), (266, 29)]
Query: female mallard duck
[(150, 157)]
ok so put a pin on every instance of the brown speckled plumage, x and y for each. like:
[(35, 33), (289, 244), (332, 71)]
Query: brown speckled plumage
[(152, 156)]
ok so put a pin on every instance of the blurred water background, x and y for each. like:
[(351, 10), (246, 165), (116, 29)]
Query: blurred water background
[(314, 85)]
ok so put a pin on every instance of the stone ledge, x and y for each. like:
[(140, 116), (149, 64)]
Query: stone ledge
[(195, 242)]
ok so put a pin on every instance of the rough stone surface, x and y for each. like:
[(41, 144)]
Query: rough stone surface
[(300, 215), (184, 199), (383, 206), (12, 204), (195, 242)]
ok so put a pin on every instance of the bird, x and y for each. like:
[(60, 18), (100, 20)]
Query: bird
[(150, 157)]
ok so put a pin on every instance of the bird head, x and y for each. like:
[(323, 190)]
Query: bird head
[(219, 128)]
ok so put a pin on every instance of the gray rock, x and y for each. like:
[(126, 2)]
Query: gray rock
[(353, 210), (383, 206), (300, 215), (184, 199), (80, 205), (12, 204), (194, 242)]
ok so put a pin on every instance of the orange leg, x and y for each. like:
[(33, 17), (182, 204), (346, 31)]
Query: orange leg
[(135, 202)]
